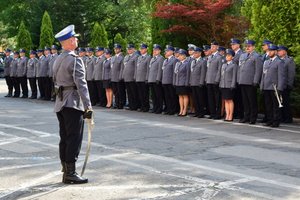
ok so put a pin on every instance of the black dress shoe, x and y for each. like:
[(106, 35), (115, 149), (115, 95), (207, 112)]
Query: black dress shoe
[(252, 122), (268, 124), (9, 95), (200, 116), (24, 97), (275, 125), (226, 120), (16, 96)]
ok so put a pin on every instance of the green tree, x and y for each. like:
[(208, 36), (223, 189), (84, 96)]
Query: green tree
[(46, 37), (120, 40), (23, 38), (99, 36)]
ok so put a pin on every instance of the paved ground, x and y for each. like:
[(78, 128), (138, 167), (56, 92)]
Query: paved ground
[(147, 156)]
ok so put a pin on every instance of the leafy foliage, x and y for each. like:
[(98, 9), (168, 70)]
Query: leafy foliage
[(46, 37), (99, 36), (120, 40), (23, 38)]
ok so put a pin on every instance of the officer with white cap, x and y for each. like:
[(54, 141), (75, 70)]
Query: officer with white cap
[(72, 103)]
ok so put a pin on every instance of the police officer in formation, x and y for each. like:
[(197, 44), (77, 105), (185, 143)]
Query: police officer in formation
[(32, 66), (9, 82), (154, 79), (204, 77), (98, 77), (141, 77), (53, 57), (127, 74)]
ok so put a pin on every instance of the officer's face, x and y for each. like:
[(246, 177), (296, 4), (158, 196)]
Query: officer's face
[(235, 47), (281, 53), (90, 53), (107, 55), (7, 53), (191, 52), (222, 53), (81, 54), (265, 47), (156, 52), (229, 57), (130, 51), (53, 51), (74, 42), (117, 50), (272, 53), (143, 51), (207, 53), (47, 52), (182, 57), (22, 54), (16, 55), (249, 48), (197, 54), (176, 55), (214, 48), (32, 55), (39, 54), (99, 53), (168, 53)]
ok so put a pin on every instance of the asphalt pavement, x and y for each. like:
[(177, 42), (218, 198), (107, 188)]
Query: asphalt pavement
[(147, 156)]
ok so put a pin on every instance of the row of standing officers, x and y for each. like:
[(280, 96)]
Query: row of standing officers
[(206, 79)]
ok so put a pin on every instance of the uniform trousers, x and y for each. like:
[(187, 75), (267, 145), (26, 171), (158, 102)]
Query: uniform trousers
[(16, 85), (71, 126), (249, 94), (119, 93), (143, 93), (198, 94), (9, 84), (286, 110), (48, 87), (101, 93), (92, 92), (23, 82), (272, 107), (238, 103), (33, 87), (214, 100), (157, 97), (133, 100), (41, 85), (171, 99)]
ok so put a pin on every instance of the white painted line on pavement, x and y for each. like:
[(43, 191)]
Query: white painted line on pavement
[(34, 132)]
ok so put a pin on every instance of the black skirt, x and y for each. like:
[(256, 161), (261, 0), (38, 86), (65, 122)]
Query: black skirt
[(227, 93), (106, 84), (182, 90)]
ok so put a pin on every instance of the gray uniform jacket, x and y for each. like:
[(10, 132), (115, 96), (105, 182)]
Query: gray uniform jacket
[(228, 75), (142, 68), (22, 67), (43, 66), (98, 68), (167, 74), (32, 67), (182, 73), (128, 67), (116, 64), (69, 70), (53, 57), (14, 67), (106, 75), (273, 73), (250, 69), (290, 73), (198, 72), (214, 65), (7, 61), (237, 56), (154, 67), (90, 66)]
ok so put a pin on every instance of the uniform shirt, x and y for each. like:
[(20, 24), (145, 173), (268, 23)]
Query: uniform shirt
[(250, 69), (198, 72), (290, 71), (167, 74), (69, 70), (14, 67), (32, 67), (228, 75), (237, 56), (128, 67), (90, 66), (52, 59), (182, 73), (142, 68), (22, 67), (43, 67), (155, 68), (116, 64), (7, 69), (273, 74), (214, 64), (106, 75), (98, 68)]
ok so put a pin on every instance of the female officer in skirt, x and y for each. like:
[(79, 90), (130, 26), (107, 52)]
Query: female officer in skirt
[(106, 78), (181, 81), (227, 79)]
